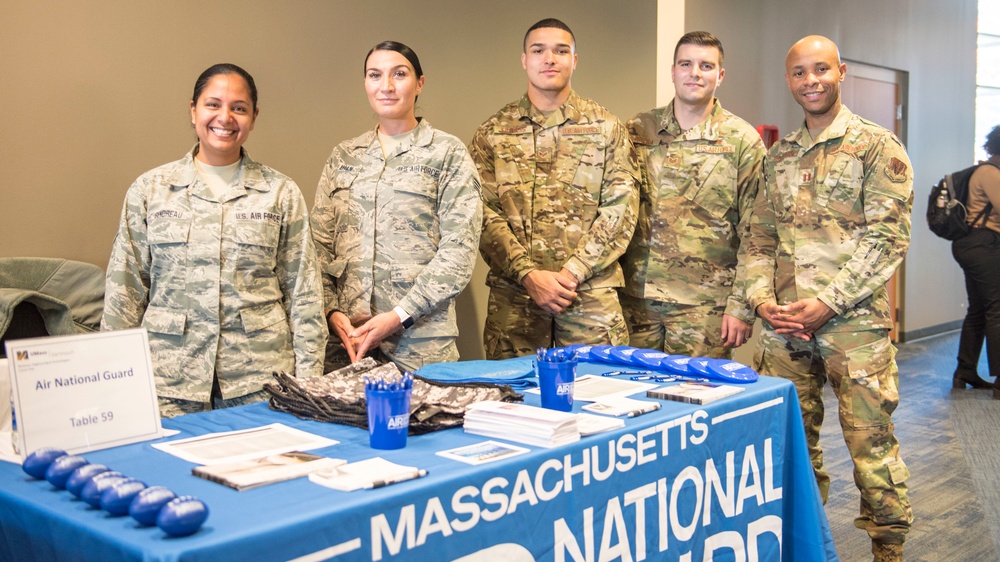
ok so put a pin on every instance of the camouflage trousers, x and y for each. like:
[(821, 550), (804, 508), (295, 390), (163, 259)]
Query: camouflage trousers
[(173, 407), (678, 329), (861, 368), (516, 326)]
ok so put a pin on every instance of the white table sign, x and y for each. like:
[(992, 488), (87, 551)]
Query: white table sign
[(84, 392)]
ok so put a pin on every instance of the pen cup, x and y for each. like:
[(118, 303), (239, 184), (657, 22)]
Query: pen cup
[(555, 380), (388, 417)]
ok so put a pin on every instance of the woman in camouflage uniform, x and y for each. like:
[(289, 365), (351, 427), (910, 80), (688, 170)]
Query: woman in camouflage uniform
[(396, 222), (214, 258)]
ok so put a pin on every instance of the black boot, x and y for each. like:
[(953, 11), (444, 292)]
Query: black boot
[(962, 378)]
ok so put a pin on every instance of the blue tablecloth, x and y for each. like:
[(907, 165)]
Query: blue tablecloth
[(733, 475)]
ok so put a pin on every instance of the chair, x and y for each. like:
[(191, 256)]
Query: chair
[(48, 297)]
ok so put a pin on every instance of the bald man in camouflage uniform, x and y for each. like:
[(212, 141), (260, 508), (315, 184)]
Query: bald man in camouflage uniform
[(830, 227), (228, 289), (558, 176), (399, 230), (700, 171)]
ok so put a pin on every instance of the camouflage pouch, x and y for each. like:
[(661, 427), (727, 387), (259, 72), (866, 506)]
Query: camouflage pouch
[(339, 397)]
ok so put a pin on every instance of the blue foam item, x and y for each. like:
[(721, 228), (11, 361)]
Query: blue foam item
[(82, 475), (581, 351), (601, 353), (117, 499), (94, 489), (624, 354), (731, 371), (182, 516), (676, 364), (572, 349), (38, 461), (60, 470), (146, 505), (649, 358), (516, 372), (699, 366)]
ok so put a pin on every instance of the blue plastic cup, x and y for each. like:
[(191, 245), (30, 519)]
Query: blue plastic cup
[(555, 380), (388, 418)]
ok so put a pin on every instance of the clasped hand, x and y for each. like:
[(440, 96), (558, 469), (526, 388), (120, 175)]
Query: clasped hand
[(799, 319), (552, 291), (359, 340)]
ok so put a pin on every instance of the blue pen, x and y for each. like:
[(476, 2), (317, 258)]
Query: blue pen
[(616, 373), (654, 378)]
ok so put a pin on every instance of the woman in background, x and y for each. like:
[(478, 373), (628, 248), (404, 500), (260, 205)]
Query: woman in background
[(396, 221), (979, 255), (214, 258)]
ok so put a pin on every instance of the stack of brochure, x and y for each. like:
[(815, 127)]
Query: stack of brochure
[(695, 392), (248, 474), (521, 423)]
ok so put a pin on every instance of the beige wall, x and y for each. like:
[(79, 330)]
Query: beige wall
[(95, 93)]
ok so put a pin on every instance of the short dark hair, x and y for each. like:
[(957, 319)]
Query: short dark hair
[(547, 22), (224, 68), (992, 144), (400, 48), (703, 38)]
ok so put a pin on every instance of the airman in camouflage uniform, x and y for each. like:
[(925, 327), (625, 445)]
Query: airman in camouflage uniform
[(700, 168), (226, 288), (400, 230), (830, 227), (558, 177)]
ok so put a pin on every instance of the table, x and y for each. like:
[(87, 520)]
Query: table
[(730, 479)]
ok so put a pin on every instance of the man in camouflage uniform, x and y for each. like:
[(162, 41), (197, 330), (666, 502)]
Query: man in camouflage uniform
[(700, 167), (829, 228), (558, 176), (399, 231), (227, 287)]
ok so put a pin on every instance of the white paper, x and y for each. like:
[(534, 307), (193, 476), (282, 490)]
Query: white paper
[(4, 396), (481, 453), (589, 424), (519, 412), (244, 444), (7, 448), (621, 406), (370, 473), (83, 392), (590, 388)]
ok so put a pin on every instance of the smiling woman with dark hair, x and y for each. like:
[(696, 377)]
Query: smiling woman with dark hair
[(214, 258), (396, 221), (979, 255)]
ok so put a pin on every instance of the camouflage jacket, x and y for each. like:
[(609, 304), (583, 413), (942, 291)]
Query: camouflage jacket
[(400, 231), (559, 191), (832, 222), (696, 193), (226, 287)]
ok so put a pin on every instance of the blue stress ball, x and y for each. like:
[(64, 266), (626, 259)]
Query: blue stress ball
[(60, 470), (118, 498), (146, 505), (182, 516), (94, 489), (82, 475), (38, 462)]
